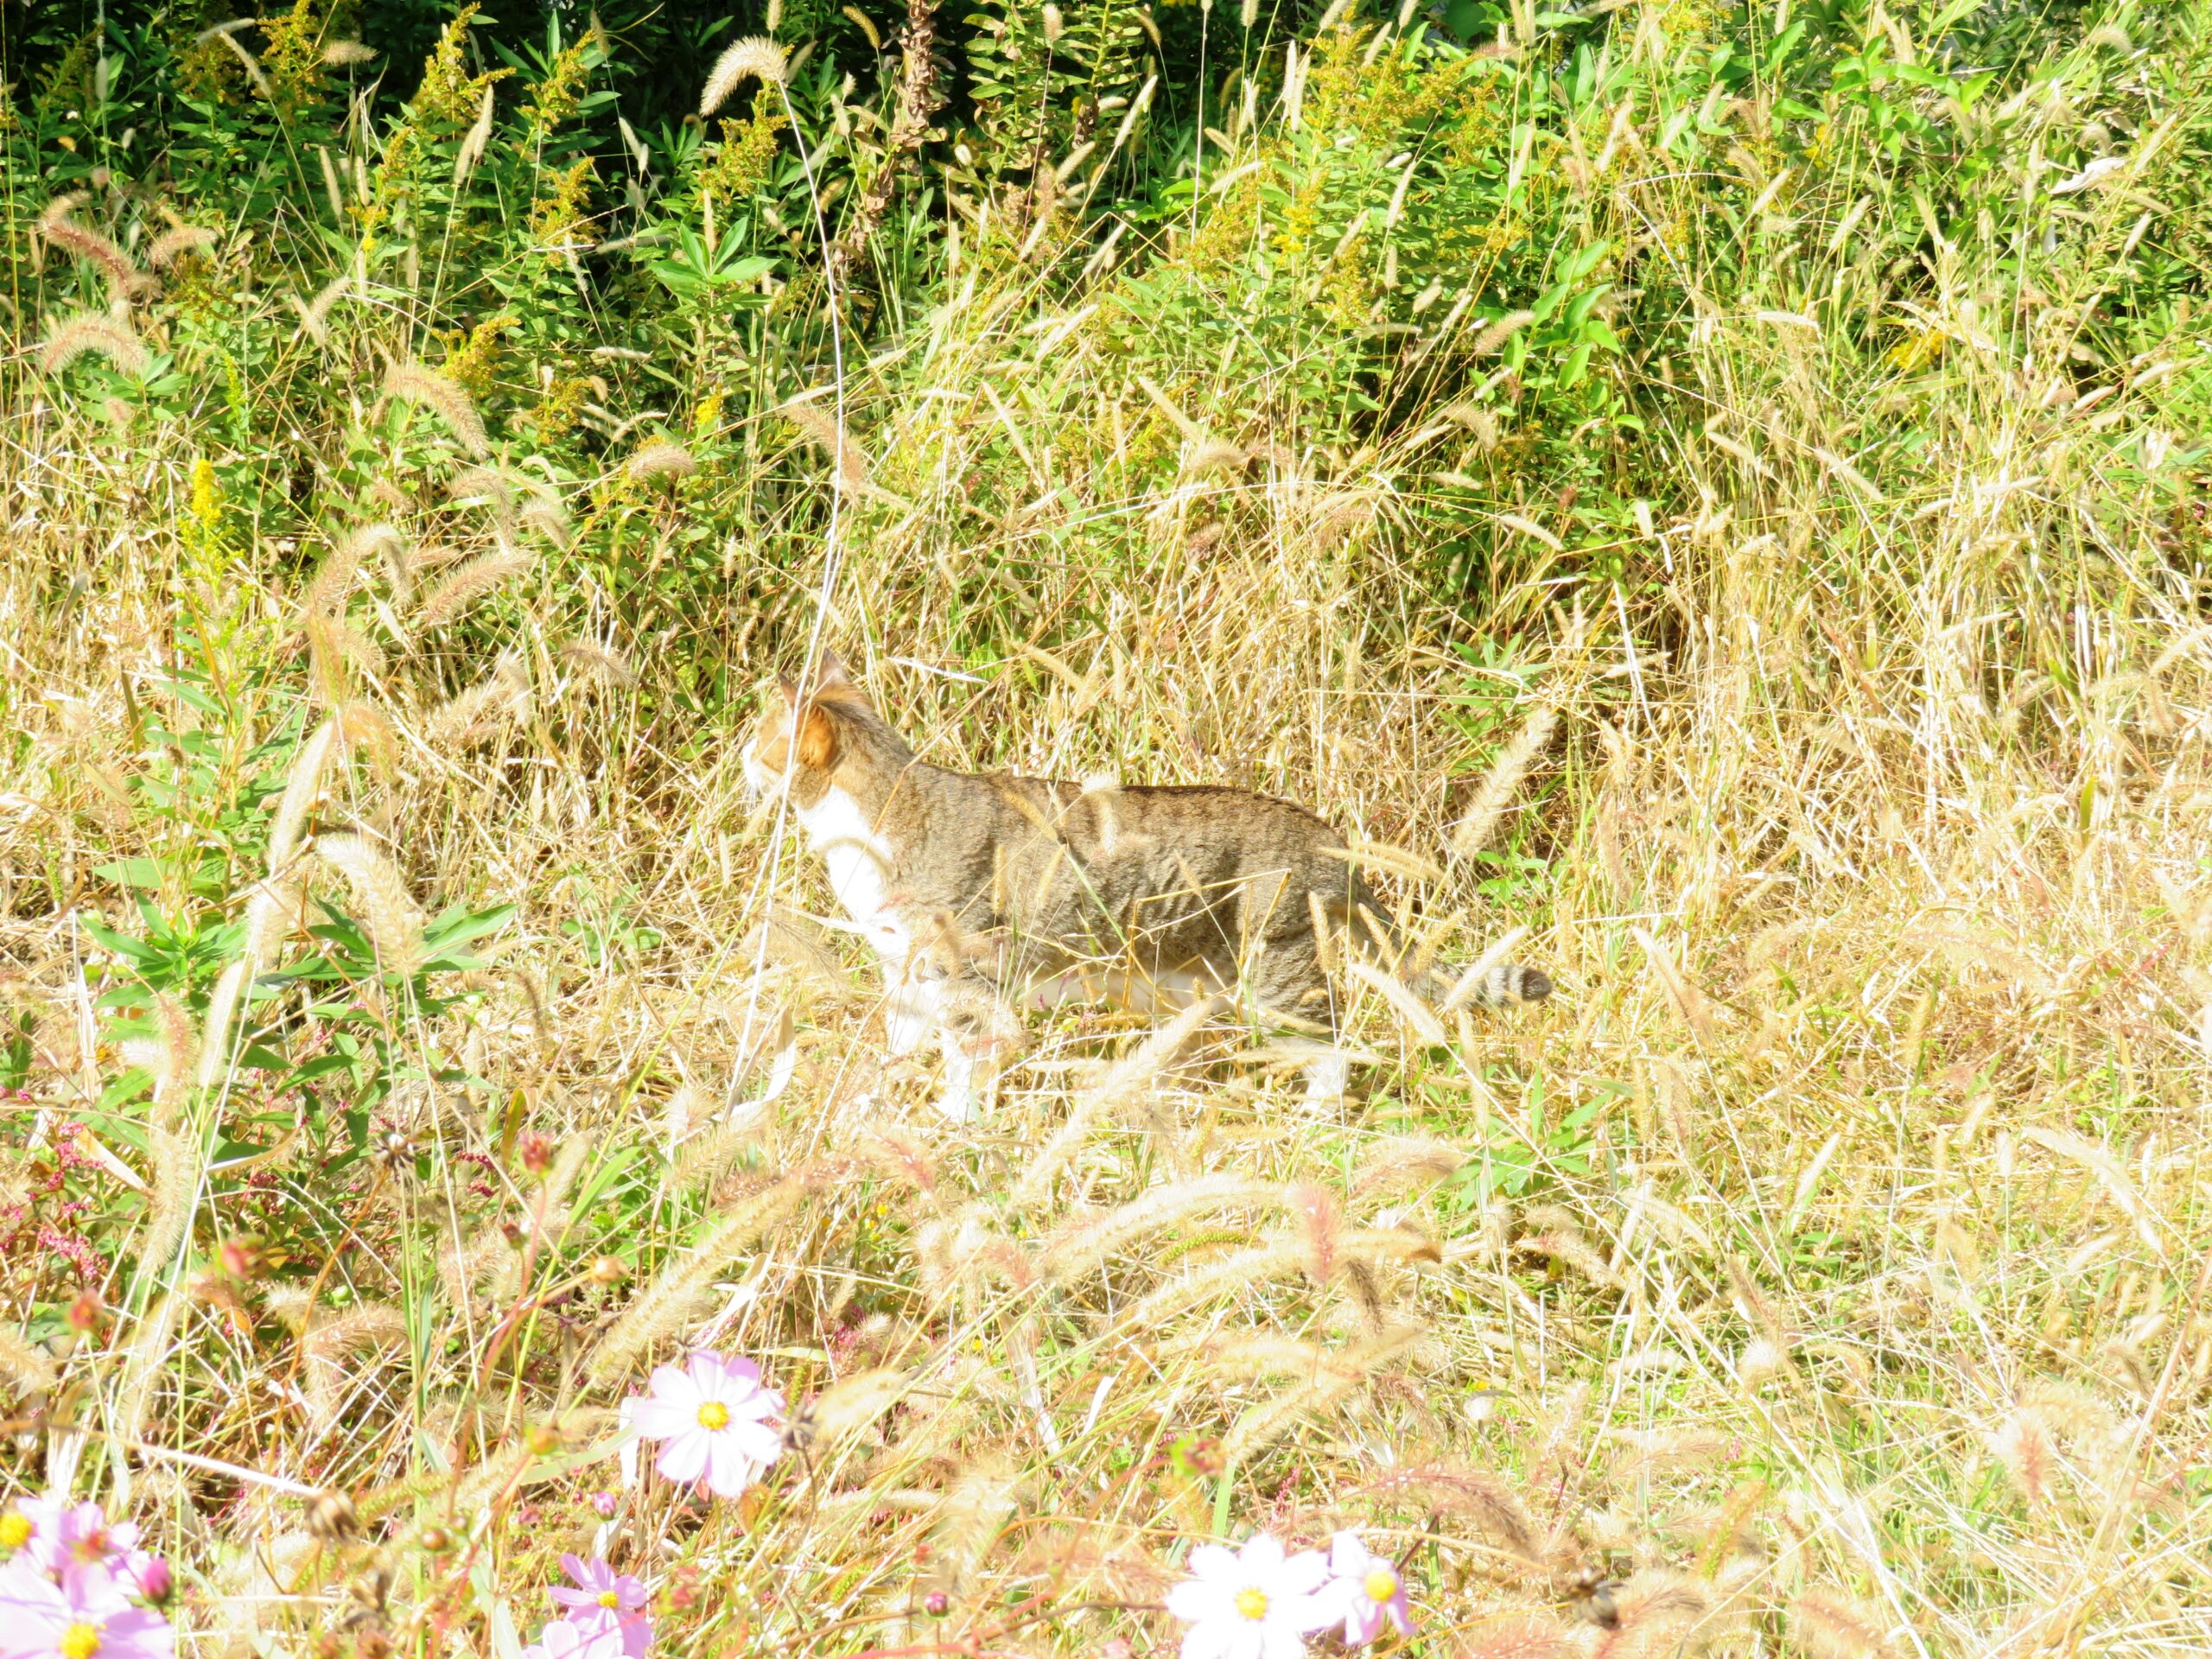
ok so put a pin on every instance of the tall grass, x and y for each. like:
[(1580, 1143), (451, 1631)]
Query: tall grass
[(1722, 493)]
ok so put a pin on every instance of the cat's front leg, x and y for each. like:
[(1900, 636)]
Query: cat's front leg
[(979, 1035), (911, 1010)]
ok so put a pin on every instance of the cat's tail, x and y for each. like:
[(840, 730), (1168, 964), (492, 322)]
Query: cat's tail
[(1504, 984), (1501, 985)]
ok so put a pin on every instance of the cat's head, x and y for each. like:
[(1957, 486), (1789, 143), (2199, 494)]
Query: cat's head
[(818, 734)]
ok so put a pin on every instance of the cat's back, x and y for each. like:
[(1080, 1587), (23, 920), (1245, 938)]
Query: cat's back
[(1213, 830)]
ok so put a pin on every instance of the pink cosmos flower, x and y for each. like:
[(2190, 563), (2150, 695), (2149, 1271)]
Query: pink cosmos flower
[(604, 1504), (83, 1617), (564, 1640), (83, 1537), (30, 1528), (1255, 1603), (715, 1422), (1365, 1590), (58, 1538), (603, 1598)]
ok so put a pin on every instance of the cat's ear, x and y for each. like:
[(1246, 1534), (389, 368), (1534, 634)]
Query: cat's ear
[(832, 674), (789, 687), (817, 740)]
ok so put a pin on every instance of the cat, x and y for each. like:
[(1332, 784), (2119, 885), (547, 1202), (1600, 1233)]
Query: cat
[(978, 890)]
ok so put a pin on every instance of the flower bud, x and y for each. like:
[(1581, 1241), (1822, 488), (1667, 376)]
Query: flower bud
[(937, 1604), (240, 1257), (537, 1151), (155, 1582), (87, 1314)]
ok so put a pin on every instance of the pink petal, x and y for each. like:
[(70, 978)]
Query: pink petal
[(683, 1457), (1262, 1552), (708, 1373), (1305, 1571), (1213, 1561), (759, 1443), (137, 1633), (1192, 1600), (25, 1589), (658, 1419), (729, 1472)]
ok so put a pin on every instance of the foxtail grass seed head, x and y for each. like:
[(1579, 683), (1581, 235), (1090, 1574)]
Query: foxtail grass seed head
[(601, 662), (543, 514), (24, 1370), (95, 332), (56, 226), (314, 314), (303, 788), (172, 246), (411, 382), (388, 914), (1479, 822), (662, 458), (847, 457), (1496, 334), (347, 54), (176, 1184), (756, 57), (470, 582)]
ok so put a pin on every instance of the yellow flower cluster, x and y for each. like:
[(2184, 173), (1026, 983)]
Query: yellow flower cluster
[(557, 98), (291, 55), (470, 358), (556, 220), (746, 153)]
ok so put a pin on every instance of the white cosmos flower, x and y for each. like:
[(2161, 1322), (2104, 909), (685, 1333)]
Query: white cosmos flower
[(1255, 1603)]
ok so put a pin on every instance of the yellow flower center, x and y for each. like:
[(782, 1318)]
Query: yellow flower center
[(608, 1598), (713, 1415), (14, 1530), (80, 1642), (1382, 1584), (1252, 1603)]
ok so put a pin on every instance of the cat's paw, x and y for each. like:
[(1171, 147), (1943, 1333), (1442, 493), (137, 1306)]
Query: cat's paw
[(957, 1101), (1325, 1078)]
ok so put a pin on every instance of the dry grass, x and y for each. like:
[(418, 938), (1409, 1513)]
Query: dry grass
[(1823, 1268)]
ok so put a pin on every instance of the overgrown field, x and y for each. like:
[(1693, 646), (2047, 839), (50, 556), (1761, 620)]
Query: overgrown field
[(1712, 502)]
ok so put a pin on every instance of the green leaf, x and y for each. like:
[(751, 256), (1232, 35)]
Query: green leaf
[(457, 926), (131, 949), (131, 872)]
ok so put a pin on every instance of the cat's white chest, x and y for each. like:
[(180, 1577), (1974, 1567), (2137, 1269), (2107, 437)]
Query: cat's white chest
[(859, 861)]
